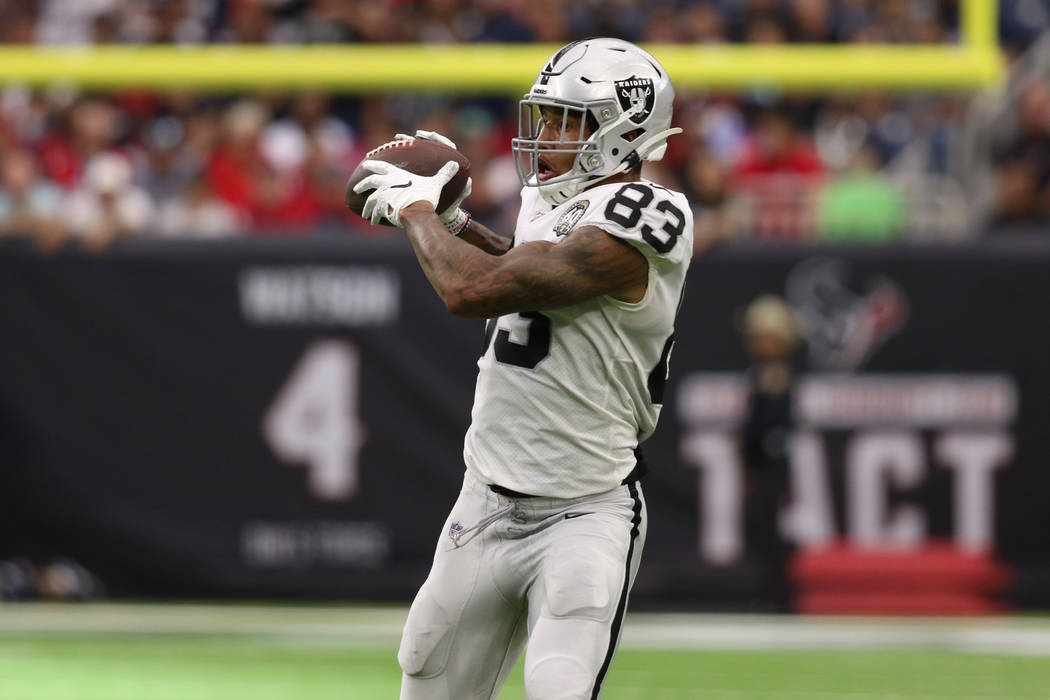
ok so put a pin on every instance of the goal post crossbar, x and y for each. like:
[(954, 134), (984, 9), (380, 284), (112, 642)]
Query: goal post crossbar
[(972, 63)]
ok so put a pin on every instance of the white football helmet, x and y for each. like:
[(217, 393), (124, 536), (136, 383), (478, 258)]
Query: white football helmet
[(619, 91)]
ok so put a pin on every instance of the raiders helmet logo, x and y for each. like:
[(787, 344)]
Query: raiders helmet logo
[(637, 93)]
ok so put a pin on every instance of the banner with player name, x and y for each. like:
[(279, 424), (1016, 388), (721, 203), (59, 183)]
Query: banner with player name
[(272, 418)]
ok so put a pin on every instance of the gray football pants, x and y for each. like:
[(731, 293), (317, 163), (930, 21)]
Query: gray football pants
[(548, 575)]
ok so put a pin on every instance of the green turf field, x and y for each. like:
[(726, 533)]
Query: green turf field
[(259, 653)]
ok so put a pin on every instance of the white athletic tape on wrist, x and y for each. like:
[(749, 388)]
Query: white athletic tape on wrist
[(459, 222)]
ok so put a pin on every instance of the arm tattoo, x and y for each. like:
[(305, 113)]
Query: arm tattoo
[(586, 264), (535, 276)]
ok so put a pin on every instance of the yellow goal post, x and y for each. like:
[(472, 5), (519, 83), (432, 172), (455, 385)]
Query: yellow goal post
[(971, 64)]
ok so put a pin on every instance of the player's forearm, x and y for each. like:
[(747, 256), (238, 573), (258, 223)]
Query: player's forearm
[(532, 277), (486, 239), (452, 266), (476, 284)]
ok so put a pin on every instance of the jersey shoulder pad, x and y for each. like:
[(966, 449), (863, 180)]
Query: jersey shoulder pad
[(656, 220)]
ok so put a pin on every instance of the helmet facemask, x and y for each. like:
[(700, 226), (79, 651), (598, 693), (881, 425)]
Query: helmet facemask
[(533, 116), (587, 148)]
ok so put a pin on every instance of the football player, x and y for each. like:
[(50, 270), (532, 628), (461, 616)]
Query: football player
[(541, 548)]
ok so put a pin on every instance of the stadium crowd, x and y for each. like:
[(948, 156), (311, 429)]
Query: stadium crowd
[(875, 166), (334, 21)]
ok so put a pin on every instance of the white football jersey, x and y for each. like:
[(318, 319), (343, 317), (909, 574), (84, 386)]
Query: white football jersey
[(564, 396)]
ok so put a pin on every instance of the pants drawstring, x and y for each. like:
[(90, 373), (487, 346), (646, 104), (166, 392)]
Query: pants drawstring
[(467, 534)]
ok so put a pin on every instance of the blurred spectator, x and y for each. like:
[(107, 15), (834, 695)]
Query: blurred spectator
[(330, 151), (327, 22), (236, 163), (892, 17), (88, 127), (170, 165), (779, 170), (771, 334), (547, 20), (777, 147), (840, 132), (765, 28), (662, 26), (707, 186), (811, 21), (107, 205), (62, 22), (1023, 158), (29, 205), (861, 205), (249, 22), (198, 213), (701, 23), (1018, 201), (258, 169), (1021, 22), (16, 23)]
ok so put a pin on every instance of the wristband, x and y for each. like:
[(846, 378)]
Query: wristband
[(459, 222)]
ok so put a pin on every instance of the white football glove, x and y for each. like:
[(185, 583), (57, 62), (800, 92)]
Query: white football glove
[(426, 136), (452, 216), (396, 188)]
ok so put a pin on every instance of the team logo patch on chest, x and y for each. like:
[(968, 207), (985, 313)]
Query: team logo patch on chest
[(570, 217), (454, 531), (636, 92)]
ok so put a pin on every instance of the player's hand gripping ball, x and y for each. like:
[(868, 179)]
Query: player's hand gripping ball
[(419, 156)]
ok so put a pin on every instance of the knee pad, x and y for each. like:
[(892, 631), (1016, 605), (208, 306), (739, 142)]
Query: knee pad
[(558, 678), (426, 639)]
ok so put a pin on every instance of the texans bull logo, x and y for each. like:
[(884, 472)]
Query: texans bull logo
[(637, 94), (846, 317)]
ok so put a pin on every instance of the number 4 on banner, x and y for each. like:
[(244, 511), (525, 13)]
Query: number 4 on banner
[(314, 422)]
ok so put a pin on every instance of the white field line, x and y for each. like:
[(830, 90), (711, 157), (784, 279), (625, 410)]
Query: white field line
[(336, 626), (714, 694), (381, 628), (711, 633)]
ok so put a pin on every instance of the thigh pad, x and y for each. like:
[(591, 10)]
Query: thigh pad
[(583, 582), (426, 640)]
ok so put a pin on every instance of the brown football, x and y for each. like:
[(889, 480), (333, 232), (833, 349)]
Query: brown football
[(421, 157)]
